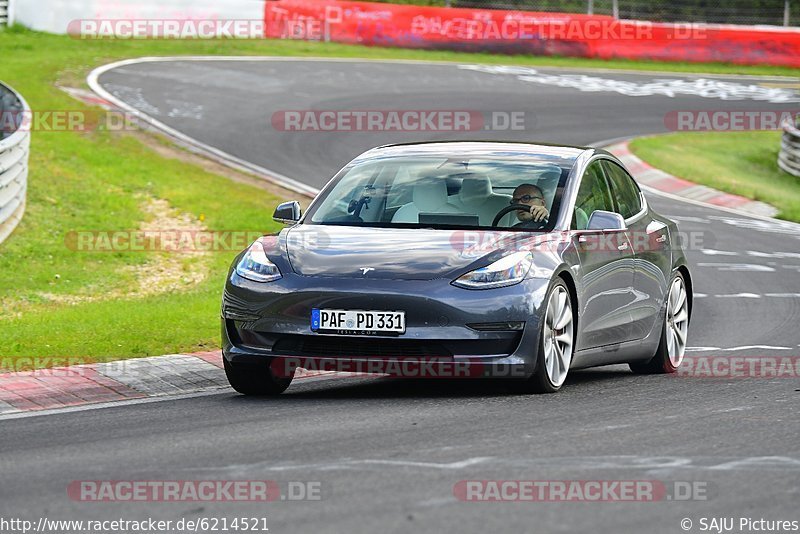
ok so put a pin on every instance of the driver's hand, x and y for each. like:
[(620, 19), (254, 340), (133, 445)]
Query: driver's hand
[(539, 213)]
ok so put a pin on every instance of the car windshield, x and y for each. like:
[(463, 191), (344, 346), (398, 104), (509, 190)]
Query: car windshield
[(444, 192)]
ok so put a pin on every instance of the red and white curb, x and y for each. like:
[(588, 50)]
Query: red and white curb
[(122, 380), (649, 176)]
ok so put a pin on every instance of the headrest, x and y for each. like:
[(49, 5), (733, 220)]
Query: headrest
[(475, 189), (429, 193)]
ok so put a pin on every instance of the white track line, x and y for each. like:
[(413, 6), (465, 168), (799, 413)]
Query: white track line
[(214, 153)]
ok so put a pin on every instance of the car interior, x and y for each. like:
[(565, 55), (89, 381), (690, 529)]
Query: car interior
[(433, 195), (471, 193)]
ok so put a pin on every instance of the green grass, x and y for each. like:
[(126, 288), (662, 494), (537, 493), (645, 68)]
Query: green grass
[(743, 163), (98, 181)]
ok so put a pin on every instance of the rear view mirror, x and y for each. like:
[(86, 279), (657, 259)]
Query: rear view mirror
[(287, 213), (605, 220)]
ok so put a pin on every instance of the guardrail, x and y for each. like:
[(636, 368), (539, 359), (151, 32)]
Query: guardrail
[(789, 155), (14, 149), (3, 12)]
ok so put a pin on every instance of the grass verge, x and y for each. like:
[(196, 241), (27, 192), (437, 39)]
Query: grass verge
[(742, 163), (60, 305)]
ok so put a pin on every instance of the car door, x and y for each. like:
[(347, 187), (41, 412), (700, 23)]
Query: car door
[(606, 267), (649, 238)]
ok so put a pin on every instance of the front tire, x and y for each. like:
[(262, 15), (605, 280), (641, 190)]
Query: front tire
[(556, 343), (256, 380), (672, 346)]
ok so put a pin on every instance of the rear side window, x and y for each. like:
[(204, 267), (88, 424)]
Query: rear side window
[(625, 191), (593, 194)]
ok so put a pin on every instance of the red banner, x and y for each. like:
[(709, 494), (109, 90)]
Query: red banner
[(526, 32)]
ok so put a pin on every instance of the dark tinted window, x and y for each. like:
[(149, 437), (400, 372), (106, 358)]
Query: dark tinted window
[(592, 195), (625, 191)]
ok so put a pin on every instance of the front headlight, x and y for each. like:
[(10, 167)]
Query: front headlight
[(255, 265), (506, 271)]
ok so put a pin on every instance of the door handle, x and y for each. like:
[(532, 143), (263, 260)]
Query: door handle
[(623, 246)]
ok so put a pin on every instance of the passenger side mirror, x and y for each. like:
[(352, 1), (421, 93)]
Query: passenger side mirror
[(605, 220), (287, 213)]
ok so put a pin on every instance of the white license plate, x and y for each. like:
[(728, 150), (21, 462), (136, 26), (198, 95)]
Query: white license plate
[(358, 321)]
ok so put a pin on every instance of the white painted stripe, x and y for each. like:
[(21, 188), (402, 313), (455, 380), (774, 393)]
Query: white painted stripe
[(348, 463), (755, 295), (752, 347), (734, 409), (712, 252), (777, 462), (780, 255), (762, 224), (729, 463), (749, 267), (674, 87), (736, 349), (747, 295), (682, 218)]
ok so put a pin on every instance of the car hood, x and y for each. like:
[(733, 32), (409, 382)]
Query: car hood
[(386, 253)]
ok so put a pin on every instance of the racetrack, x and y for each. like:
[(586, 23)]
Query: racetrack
[(388, 452)]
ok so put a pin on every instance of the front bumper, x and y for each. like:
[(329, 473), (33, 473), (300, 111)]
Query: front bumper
[(467, 331)]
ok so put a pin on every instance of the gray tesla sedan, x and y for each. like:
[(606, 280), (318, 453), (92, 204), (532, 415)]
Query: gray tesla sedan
[(461, 259)]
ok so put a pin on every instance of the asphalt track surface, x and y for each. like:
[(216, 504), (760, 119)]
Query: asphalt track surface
[(388, 452)]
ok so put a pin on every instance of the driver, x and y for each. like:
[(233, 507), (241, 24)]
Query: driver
[(530, 195)]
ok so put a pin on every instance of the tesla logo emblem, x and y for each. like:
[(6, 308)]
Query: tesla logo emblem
[(365, 270)]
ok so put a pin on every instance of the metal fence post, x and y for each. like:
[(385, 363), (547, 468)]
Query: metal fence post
[(5, 19), (789, 155), (14, 150)]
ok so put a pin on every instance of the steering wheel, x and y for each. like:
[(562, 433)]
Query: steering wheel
[(516, 207)]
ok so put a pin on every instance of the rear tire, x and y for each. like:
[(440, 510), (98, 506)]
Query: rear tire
[(672, 346), (256, 379), (556, 343)]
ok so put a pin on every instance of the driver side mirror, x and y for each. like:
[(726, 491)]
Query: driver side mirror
[(605, 220), (287, 213)]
